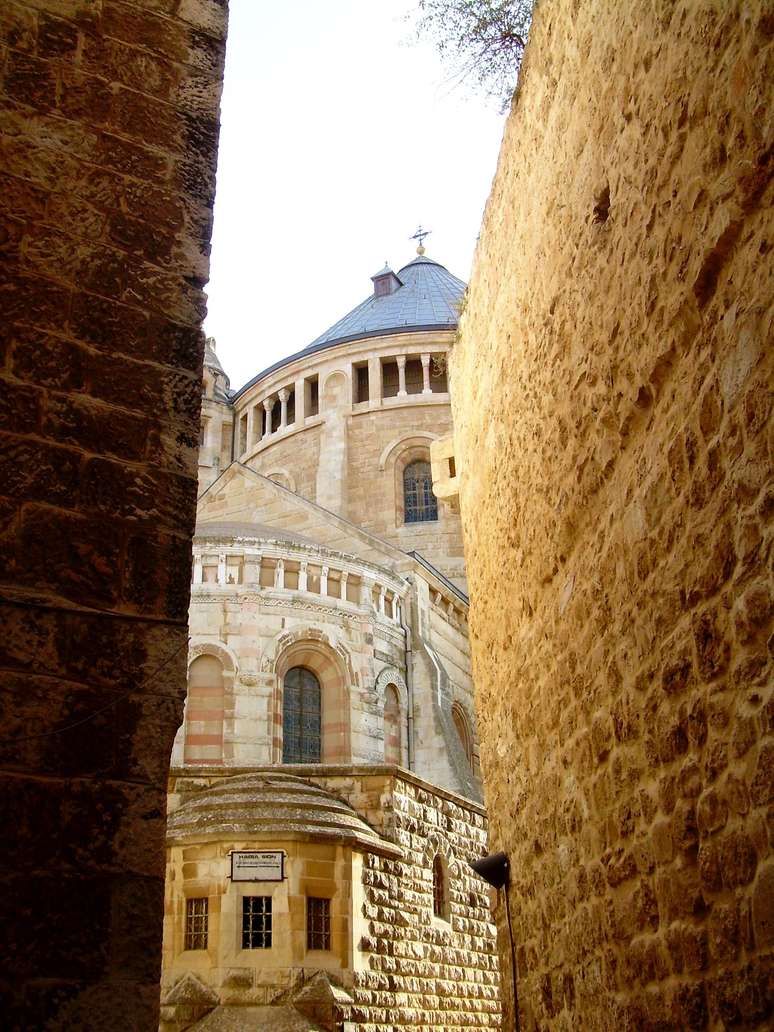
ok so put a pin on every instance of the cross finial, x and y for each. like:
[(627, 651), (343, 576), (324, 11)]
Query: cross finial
[(420, 236)]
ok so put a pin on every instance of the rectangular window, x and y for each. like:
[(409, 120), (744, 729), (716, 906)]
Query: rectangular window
[(318, 923), (415, 377), (390, 378), (438, 380), (360, 382), (196, 918), (256, 922), (312, 388)]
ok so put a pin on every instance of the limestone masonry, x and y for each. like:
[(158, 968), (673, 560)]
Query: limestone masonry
[(109, 137), (329, 731), (611, 392)]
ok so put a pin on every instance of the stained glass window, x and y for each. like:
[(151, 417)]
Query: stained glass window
[(301, 741), (256, 922), (419, 503)]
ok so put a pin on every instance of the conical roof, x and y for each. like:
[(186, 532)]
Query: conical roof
[(428, 298), (271, 806)]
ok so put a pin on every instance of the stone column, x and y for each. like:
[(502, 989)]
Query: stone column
[(284, 394), (197, 569), (221, 569), (279, 574), (396, 609), (343, 585), (267, 403), (366, 593), (382, 598), (300, 402), (401, 376), (251, 436), (303, 577), (252, 573), (374, 382), (324, 581), (426, 388)]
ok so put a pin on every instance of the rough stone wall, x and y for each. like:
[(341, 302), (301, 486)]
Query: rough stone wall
[(415, 970), (298, 456), (375, 496), (110, 120), (611, 395), (409, 968)]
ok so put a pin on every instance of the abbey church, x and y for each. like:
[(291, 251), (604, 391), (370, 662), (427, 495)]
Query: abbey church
[(325, 797)]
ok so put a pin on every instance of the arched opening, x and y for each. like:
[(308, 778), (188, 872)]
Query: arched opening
[(301, 717), (463, 730), (440, 889), (393, 740), (204, 712), (419, 503), (307, 650)]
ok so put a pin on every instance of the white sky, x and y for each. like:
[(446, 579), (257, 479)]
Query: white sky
[(339, 135)]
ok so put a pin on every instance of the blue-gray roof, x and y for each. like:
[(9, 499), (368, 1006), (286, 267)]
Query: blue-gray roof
[(428, 299)]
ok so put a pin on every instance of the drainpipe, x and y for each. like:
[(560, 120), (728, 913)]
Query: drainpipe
[(409, 687)]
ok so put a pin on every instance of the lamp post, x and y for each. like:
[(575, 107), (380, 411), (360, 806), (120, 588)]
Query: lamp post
[(495, 869)]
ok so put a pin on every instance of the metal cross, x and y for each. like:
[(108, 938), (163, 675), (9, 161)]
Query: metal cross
[(420, 235)]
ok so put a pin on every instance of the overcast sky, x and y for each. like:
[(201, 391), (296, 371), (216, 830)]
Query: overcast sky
[(339, 135)]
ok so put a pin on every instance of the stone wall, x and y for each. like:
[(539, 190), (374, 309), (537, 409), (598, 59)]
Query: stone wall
[(415, 970), (406, 968), (612, 405), (110, 121)]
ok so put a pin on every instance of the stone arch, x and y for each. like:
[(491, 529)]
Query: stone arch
[(230, 666), (398, 454), (438, 844), (283, 477), (388, 680), (205, 709), (413, 439), (393, 726), (464, 729), (438, 854), (331, 665), (217, 649), (335, 389), (391, 675)]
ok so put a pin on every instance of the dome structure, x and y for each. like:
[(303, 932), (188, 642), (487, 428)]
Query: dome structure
[(272, 806), (423, 295)]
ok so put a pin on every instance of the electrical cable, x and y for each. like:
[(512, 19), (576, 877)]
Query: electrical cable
[(91, 716), (516, 1024)]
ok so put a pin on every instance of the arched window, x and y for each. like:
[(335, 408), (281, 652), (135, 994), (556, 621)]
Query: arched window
[(204, 712), (463, 730), (419, 503), (393, 746), (301, 717), (440, 894)]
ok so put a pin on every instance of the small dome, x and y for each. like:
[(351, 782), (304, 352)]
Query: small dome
[(211, 360), (271, 806)]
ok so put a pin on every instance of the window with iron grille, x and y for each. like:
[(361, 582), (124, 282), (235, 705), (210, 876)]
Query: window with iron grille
[(439, 887), (419, 503), (318, 923), (301, 741), (196, 919), (256, 922)]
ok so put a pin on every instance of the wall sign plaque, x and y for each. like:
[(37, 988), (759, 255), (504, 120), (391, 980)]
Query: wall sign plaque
[(258, 866)]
